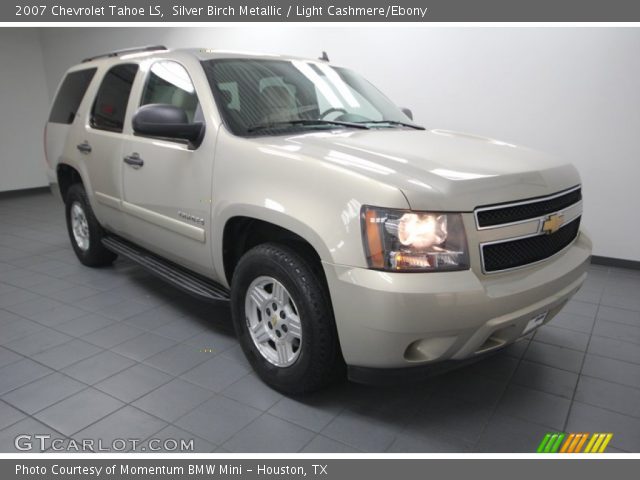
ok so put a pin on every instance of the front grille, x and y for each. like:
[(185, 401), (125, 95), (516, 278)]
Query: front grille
[(517, 253), (496, 215)]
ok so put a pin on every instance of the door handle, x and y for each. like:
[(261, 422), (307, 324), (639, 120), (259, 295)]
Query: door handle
[(84, 147), (134, 160)]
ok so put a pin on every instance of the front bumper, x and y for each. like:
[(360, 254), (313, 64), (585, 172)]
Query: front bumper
[(392, 320)]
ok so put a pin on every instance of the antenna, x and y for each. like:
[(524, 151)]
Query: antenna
[(324, 57)]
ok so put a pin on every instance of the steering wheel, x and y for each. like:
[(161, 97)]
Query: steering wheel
[(331, 110)]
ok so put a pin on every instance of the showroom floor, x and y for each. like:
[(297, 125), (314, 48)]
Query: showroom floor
[(115, 353)]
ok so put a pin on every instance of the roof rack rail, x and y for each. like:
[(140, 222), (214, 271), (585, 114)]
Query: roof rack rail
[(116, 53)]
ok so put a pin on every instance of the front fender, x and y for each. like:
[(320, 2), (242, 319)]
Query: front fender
[(315, 200)]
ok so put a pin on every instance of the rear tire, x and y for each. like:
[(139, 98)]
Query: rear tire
[(84, 230), (284, 320)]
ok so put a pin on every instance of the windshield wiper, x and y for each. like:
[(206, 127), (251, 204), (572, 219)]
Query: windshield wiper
[(274, 125), (394, 122)]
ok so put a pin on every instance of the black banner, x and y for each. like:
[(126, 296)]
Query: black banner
[(319, 11), (370, 469)]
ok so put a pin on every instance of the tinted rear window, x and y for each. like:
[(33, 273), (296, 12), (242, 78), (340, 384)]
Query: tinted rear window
[(111, 101), (70, 95)]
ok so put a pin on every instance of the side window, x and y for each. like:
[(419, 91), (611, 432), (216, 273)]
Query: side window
[(169, 83), (111, 101), (70, 95)]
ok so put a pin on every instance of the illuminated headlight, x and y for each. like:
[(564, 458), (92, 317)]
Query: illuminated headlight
[(402, 240)]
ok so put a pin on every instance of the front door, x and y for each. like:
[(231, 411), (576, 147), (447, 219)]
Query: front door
[(166, 183)]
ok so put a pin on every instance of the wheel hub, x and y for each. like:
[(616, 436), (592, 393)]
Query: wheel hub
[(273, 321), (79, 226)]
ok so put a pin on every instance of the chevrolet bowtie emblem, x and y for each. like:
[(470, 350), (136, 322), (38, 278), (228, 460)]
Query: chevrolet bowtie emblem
[(552, 223)]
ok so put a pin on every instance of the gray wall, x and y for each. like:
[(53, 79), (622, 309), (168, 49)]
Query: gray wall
[(24, 103), (569, 91)]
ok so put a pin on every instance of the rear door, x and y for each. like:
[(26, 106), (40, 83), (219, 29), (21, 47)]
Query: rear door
[(100, 143), (167, 191)]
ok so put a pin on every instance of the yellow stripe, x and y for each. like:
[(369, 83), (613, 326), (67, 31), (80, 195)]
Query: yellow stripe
[(582, 440), (596, 445), (567, 442), (594, 437), (606, 441)]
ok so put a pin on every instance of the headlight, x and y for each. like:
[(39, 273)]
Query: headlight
[(402, 240)]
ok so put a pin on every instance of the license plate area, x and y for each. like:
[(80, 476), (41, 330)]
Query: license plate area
[(534, 323)]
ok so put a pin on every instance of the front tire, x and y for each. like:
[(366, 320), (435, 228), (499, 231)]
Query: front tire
[(284, 320), (84, 230)]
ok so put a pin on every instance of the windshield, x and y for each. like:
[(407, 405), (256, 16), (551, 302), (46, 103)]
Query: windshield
[(262, 97)]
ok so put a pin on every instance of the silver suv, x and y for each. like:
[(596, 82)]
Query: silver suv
[(346, 237)]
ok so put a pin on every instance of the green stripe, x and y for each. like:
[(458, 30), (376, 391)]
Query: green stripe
[(558, 443), (543, 443), (550, 443)]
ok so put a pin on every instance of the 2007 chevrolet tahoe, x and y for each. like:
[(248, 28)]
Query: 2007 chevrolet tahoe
[(345, 236)]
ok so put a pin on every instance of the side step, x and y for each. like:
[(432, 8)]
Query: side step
[(189, 282)]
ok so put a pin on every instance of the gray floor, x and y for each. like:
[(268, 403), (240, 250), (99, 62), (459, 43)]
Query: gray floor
[(115, 353)]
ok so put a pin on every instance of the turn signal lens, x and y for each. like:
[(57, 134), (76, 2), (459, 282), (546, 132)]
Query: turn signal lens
[(376, 258)]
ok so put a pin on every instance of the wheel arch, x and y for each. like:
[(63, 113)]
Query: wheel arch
[(244, 230), (67, 175)]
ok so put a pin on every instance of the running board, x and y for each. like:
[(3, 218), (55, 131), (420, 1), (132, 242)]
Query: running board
[(179, 277)]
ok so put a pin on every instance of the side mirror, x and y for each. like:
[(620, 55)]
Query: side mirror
[(407, 112), (166, 121)]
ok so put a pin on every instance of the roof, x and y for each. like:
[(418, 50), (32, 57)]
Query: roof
[(199, 53), (210, 54)]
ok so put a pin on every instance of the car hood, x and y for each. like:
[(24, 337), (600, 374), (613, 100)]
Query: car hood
[(436, 169)]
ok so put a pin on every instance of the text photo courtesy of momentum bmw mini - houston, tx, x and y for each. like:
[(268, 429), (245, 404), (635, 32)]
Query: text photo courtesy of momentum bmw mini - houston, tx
[(383, 239)]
